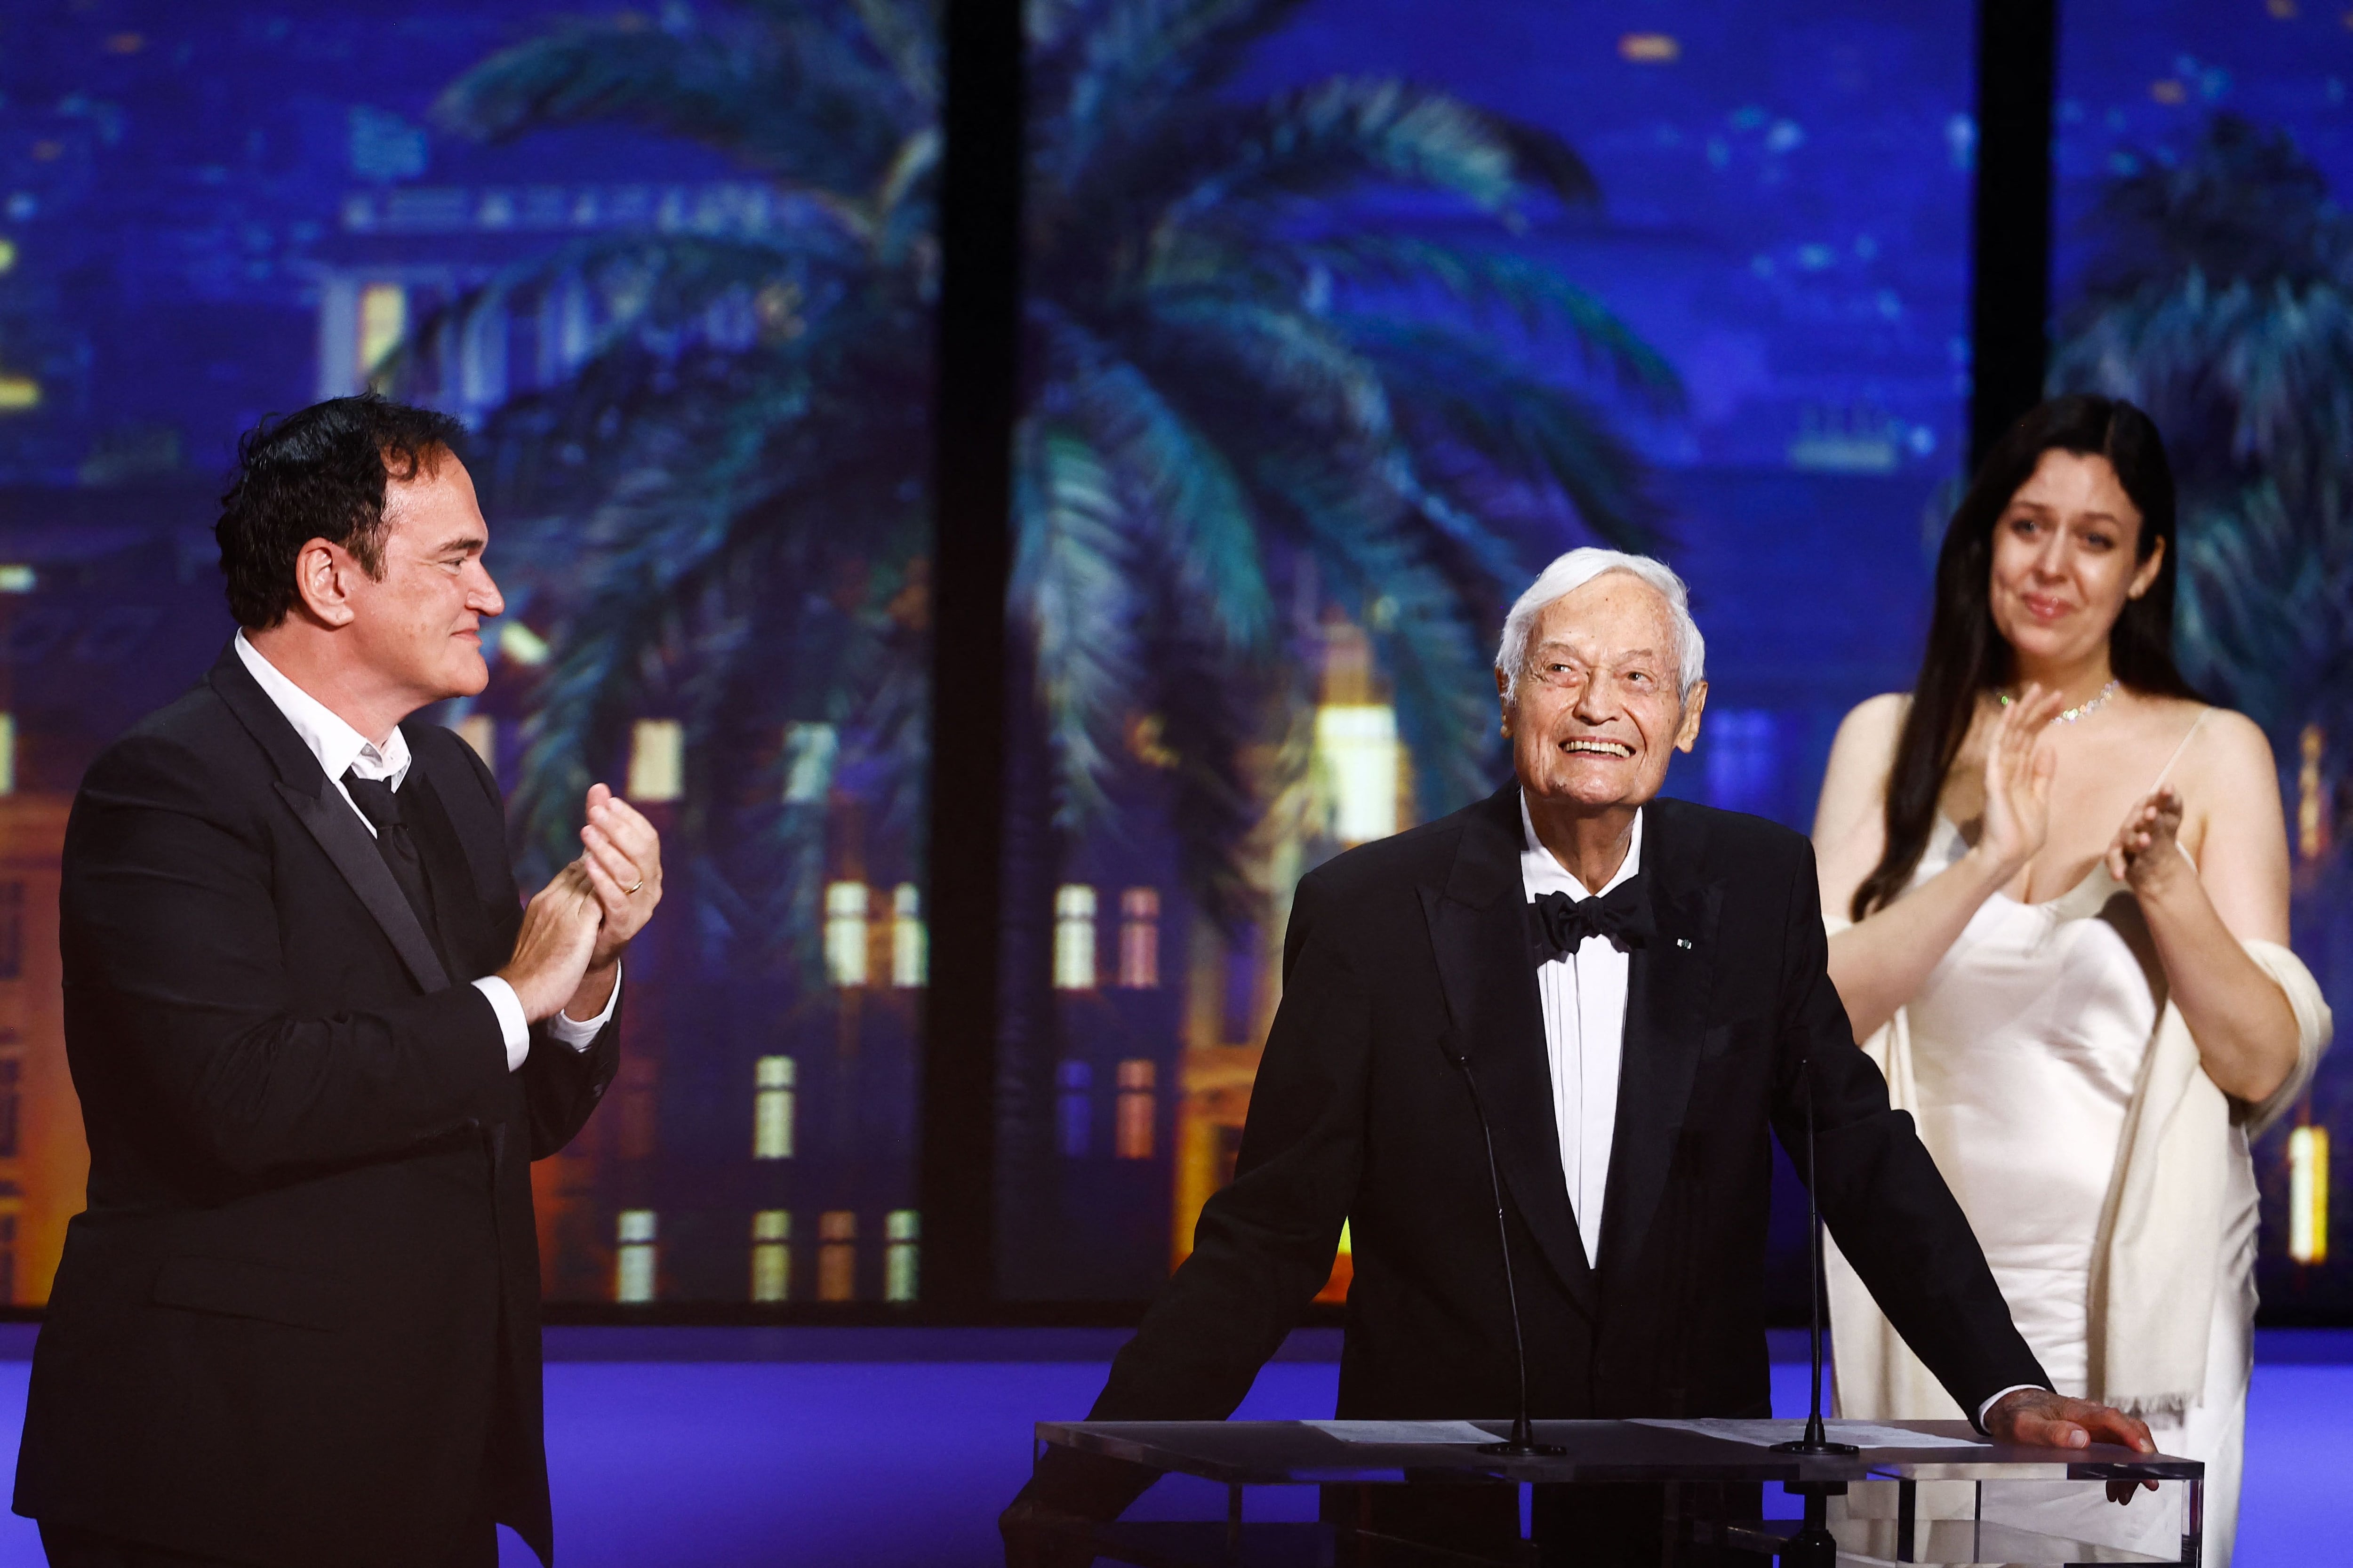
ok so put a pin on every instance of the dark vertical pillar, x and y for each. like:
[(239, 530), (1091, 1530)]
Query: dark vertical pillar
[(980, 244), (2018, 51)]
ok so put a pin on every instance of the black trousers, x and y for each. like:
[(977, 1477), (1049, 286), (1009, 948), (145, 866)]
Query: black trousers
[(68, 1546)]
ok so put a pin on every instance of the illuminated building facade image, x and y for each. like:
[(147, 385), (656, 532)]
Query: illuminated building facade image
[(1757, 319)]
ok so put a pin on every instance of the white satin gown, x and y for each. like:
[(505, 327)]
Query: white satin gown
[(2027, 1043)]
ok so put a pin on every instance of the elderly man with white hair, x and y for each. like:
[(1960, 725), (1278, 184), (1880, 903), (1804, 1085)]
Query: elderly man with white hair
[(1634, 988)]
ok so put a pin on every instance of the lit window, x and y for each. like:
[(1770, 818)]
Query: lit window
[(384, 320), (911, 956), (772, 1108), (18, 578), (1074, 937), (12, 931), (2308, 1195), (809, 753), (772, 1254), (1136, 1106), (2311, 797), (837, 1255), (521, 644), (12, 1083), (481, 732), (633, 1267), (1357, 757), (1139, 939), (1073, 1109), (902, 1230), (7, 753), (845, 932), (657, 760)]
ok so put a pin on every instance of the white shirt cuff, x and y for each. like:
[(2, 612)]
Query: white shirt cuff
[(1987, 1408), (580, 1036), (513, 1028)]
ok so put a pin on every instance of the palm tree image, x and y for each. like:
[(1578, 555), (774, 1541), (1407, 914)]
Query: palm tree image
[(1206, 388), (1243, 386), (2222, 301)]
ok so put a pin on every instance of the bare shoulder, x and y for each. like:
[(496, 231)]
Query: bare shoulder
[(1855, 783), (1865, 744), (1879, 718), (2229, 755)]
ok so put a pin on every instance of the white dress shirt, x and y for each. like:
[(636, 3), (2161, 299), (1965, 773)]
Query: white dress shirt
[(1584, 996), (339, 747)]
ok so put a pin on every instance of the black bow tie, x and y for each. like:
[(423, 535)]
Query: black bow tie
[(1559, 924)]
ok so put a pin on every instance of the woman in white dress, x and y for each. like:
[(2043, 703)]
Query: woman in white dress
[(2057, 887)]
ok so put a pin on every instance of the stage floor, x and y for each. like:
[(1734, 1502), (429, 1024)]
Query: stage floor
[(730, 1463)]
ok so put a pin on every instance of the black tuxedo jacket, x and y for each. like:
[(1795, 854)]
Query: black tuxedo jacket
[(1403, 951), (299, 1323)]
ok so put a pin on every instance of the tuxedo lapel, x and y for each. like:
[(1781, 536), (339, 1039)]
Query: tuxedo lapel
[(1667, 989), (466, 933), (1478, 929), (330, 820)]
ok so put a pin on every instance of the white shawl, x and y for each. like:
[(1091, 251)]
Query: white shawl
[(2156, 1263)]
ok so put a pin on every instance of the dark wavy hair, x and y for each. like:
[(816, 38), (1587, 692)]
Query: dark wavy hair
[(318, 474), (1966, 656)]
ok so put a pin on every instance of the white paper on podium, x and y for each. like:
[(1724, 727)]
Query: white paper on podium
[(1402, 1431), (1765, 1433)]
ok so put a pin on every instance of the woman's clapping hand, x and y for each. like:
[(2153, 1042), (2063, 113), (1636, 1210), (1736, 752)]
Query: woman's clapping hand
[(2146, 848), (2017, 772)]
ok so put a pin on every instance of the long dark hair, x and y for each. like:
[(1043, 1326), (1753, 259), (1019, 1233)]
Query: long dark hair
[(1967, 655)]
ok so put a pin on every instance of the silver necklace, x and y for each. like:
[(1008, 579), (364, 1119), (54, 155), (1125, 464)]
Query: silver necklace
[(2092, 704)]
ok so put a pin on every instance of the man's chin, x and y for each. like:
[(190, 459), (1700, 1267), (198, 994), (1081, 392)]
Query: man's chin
[(466, 678), (1598, 784)]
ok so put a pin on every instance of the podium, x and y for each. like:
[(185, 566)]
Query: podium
[(1688, 1462)]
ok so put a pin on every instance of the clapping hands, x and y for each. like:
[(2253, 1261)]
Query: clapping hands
[(2018, 772), (2146, 848), (574, 928)]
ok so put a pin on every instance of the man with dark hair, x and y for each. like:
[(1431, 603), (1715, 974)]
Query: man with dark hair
[(318, 1041)]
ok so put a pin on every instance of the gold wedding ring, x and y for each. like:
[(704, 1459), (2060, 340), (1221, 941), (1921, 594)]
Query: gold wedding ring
[(635, 886)]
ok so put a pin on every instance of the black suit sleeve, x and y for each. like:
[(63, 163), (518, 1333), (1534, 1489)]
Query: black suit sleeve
[(170, 931), (561, 1085), (1881, 1194), (1263, 1246)]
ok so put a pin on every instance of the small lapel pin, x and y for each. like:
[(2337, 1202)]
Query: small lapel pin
[(1683, 942)]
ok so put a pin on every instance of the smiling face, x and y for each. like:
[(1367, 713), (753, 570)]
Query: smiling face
[(2065, 564), (1595, 714), (418, 628)]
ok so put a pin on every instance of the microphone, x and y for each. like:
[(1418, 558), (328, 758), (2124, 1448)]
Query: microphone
[(1816, 1438), (1522, 1444), (1813, 1546)]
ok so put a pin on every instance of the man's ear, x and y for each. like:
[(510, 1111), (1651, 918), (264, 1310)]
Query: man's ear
[(322, 575), (1695, 703), (1503, 700)]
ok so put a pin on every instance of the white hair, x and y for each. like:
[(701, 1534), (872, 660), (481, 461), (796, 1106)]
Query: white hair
[(1573, 571)]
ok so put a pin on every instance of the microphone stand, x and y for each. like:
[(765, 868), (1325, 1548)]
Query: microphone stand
[(1522, 1444), (1813, 1546)]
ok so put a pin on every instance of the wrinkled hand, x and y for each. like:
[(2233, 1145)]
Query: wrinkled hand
[(553, 950), (623, 865), (2036, 1417), (2017, 772), (2146, 848)]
